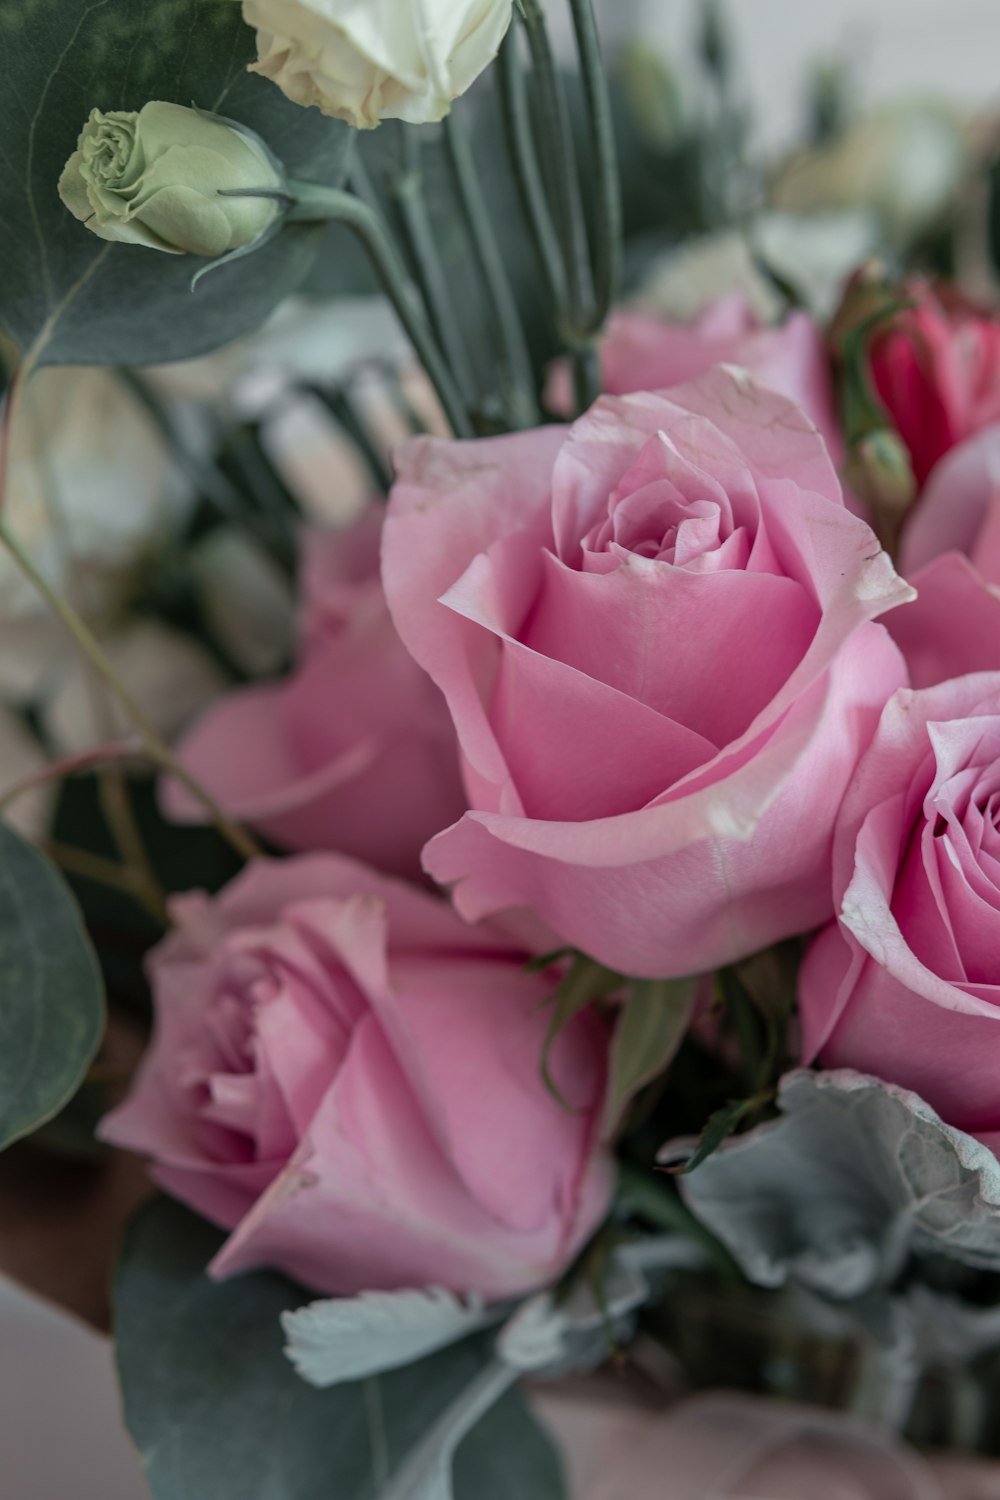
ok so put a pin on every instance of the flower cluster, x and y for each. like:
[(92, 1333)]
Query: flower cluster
[(696, 711), (592, 761)]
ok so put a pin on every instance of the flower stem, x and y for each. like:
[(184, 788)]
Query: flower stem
[(609, 238), (527, 173), (520, 397), (156, 749), (406, 187), (119, 813), (314, 201), (586, 363), (210, 482), (341, 409), (560, 171)]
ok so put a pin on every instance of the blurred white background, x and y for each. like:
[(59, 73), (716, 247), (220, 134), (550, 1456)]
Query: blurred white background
[(892, 46), (60, 1431)]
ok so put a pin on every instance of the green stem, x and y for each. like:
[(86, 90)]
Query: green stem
[(609, 234), (344, 414), (521, 399), (119, 813), (313, 201), (406, 188), (527, 173), (586, 362), (155, 748), (559, 163), (272, 499), (210, 482)]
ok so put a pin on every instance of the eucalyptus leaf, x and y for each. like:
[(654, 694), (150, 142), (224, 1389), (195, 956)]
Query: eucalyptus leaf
[(51, 993), (856, 1176), (218, 1413), (349, 1338), (72, 298)]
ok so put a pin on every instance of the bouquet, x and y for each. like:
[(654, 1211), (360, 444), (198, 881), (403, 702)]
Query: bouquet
[(501, 752)]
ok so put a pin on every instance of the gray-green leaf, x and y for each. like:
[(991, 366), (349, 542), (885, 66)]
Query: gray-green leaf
[(74, 298), (856, 1176), (51, 991), (218, 1413)]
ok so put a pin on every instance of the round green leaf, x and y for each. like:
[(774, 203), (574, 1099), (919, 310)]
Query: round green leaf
[(76, 299), (51, 992)]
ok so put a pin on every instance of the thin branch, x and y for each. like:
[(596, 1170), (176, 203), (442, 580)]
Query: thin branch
[(156, 749)]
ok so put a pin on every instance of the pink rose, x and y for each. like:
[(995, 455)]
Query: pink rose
[(651, 629), (906, 985), (641, 352), (348, 1078), (951, 554), (936, 367), (354, 750)]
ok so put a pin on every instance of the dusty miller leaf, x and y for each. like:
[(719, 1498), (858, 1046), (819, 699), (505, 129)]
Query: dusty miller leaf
[(553, 1336), (855, 1176), (349, 1338)]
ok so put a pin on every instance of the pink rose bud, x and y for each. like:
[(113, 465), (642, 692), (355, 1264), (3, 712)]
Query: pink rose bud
[(347, 1077), (936, 367)]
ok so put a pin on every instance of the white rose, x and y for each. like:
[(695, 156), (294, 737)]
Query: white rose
[(813, 252), (168, 674), (901, 161), (87, 489), (380, 59)]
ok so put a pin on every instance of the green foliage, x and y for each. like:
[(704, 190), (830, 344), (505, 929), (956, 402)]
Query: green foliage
[(51, 996), (649, 1031), (218, 1413), (854, 1177), (183, 857), (74, 298), (719, 1128)]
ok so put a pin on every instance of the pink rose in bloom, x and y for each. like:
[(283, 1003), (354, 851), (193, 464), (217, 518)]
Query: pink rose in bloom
[(906, 985), (354, 750), (936, 367), (951, 554), (348, 1078), (640, 352), (652, 632)]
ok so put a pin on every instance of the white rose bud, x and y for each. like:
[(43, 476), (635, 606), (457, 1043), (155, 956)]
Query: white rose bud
[(380, 60), (157, 178)]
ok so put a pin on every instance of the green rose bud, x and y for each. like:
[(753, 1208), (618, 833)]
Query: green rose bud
[(878, 470), (158, 177)]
